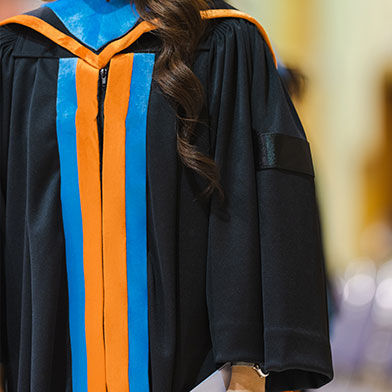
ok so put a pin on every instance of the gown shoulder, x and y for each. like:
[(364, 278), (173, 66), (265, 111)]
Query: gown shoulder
[(231, 30), (9, 35)]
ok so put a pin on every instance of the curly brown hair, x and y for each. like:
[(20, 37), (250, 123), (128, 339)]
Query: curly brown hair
[(173, 73)]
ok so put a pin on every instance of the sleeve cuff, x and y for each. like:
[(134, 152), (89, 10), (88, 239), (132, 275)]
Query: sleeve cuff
[(296, 359)]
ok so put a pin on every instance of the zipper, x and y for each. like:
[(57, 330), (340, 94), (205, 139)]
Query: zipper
[(102, 84), (103, 77)]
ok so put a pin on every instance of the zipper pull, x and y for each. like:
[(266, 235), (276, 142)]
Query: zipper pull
[(104, 75)]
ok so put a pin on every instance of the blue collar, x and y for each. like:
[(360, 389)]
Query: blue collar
[(95, 22)]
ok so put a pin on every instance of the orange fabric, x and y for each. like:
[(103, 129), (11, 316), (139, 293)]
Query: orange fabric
[(123, 43), (114, 225), (76, 48), (90, 198), (99, 61), (55, 35)]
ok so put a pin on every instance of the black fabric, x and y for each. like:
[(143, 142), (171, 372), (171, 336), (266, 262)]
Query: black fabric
[(282, 151), (241, 280), (7, 41), (35, 310), (266, 289)]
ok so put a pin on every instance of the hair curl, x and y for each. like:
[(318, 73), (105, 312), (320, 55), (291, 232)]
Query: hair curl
[(180, 29)]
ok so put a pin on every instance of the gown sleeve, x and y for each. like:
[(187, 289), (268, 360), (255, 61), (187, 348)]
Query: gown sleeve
[(266, 284), (7, 41)]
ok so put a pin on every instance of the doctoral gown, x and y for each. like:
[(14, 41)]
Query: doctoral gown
[(116, 273)]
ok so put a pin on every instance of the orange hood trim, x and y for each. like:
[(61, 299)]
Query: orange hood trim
[(100, 60)]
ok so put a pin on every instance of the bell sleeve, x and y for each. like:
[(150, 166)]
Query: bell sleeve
[(266, 284), (7, 39)]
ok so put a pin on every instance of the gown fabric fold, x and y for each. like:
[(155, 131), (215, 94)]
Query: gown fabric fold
[(238, 280)]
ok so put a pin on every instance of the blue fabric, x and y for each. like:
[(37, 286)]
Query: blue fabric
[(72, 218), (96, 22), (136, 221)]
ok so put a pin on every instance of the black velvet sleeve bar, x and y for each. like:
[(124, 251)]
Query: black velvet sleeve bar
[(277, 150), (266, 289)]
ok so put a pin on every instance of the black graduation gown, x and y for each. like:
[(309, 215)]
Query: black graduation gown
[(238, 281)]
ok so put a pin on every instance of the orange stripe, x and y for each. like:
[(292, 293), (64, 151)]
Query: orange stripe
[(99, 61), (114, 228), (90, 198)]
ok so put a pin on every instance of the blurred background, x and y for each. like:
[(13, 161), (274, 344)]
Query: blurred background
[(337, 61)]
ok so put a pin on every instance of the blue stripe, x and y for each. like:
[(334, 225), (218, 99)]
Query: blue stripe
[(136, 225), (72, 217)]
